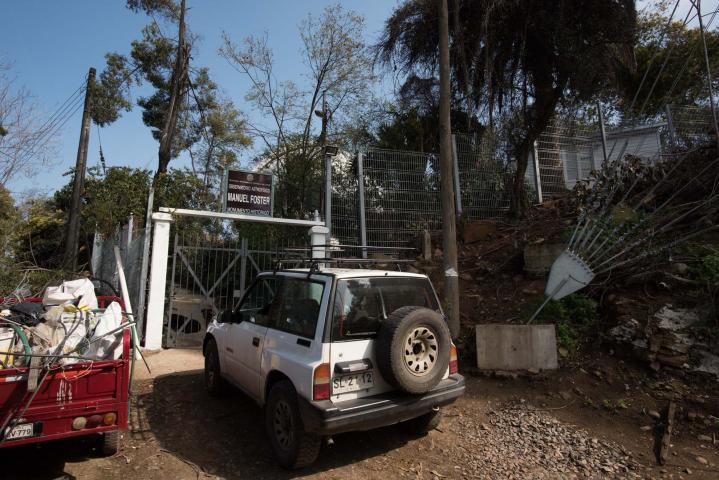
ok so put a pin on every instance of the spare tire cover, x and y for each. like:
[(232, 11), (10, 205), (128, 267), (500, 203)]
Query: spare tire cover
[(412, 349)]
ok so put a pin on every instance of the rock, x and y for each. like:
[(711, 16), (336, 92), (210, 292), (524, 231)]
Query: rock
[(691, 416), (680, 268), (687, 471), (533, 371), (563, 352), (705, 438), (701, 460), (654, 414), (673, 319), (646, 428), (565, 395), (479, 230)]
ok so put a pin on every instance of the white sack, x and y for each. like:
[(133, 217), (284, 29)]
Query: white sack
[(108, 347), (81, 289)]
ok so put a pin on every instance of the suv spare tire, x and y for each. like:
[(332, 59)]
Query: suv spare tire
[(412, 349)]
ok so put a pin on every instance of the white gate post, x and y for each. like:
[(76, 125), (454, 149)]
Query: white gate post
[(318, 240), (158, 281)]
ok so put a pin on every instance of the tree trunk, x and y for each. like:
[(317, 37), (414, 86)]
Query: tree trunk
[(537, 119), (179, 77)]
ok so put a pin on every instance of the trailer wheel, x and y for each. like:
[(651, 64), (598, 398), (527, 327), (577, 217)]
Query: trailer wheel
[(110, 443)]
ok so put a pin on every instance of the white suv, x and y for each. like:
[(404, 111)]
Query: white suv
[(334, 350)]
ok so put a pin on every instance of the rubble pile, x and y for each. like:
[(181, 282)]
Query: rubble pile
[(67, 327), (663, 339)]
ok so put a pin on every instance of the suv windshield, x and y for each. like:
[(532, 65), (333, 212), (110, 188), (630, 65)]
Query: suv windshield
[(362, 303)]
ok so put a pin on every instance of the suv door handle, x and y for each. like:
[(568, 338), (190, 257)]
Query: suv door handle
[(256, 341)]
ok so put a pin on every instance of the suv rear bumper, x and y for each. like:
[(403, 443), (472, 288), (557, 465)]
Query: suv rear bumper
[(327, 418)]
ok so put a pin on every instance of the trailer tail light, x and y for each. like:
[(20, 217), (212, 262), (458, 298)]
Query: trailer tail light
[(321, 382), (109, 419), (78, 423), (453, 368)]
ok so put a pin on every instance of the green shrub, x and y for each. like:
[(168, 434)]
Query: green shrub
[(574, 317)]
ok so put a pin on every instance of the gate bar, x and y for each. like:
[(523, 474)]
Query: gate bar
[(244, 218)]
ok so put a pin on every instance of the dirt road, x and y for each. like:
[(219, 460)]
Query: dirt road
[(502, 428)]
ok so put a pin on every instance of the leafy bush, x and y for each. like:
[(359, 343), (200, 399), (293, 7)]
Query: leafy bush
[(574, 317)]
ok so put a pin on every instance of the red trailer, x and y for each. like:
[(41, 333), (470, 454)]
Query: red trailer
[(86, 398)]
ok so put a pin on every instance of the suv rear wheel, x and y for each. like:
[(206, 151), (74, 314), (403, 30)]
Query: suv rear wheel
[(413, 349), (293, 447)]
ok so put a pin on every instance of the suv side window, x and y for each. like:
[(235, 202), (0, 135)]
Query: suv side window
[(297, 306), (257, 305)]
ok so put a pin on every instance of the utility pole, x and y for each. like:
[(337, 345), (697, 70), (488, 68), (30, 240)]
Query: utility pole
[(72, 234), (449, 228)]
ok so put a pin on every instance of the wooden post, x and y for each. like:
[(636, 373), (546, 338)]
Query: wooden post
[(449, 227), (73, 224)]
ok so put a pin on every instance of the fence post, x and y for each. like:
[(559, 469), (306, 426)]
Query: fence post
[(603, 132), (328, 196), (537, 176), (360, 204), (455, 172), (145, 266), (158, 281), (244, 247), (670, 124)]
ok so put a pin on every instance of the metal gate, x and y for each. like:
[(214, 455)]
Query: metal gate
[(209, 275)]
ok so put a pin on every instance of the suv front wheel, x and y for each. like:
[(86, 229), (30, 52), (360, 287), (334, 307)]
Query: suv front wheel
[(214, 383), (293, 447)]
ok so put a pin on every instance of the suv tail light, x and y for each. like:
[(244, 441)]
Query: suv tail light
[(321, 382), (453, 359)]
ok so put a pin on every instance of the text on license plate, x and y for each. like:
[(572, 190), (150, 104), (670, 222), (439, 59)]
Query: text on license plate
[(22, 430), (352, 383)]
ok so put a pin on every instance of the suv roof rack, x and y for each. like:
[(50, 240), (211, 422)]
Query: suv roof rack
[(301, 257)]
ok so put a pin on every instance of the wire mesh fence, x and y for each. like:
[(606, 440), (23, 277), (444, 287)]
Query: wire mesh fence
[(568, 151), (689, 126), (402, 196), (486, 174)]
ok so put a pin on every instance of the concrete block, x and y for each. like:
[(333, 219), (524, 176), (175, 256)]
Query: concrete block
[(538, 258), (516, 347)]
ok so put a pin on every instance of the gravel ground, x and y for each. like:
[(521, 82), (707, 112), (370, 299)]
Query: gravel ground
[(518, 441), (493, 432)]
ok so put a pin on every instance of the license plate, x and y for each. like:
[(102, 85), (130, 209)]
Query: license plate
[(352, 383), (22, 430)]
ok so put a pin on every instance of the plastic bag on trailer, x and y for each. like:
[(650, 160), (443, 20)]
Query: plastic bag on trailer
[(81, 289), (75, 326), (104, 346)]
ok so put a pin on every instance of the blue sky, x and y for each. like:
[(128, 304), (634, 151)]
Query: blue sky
[(51, 45)]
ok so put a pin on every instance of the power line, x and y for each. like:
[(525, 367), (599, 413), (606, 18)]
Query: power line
[(59, 117)]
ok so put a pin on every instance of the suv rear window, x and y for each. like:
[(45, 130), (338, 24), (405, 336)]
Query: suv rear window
[(361, 304)]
